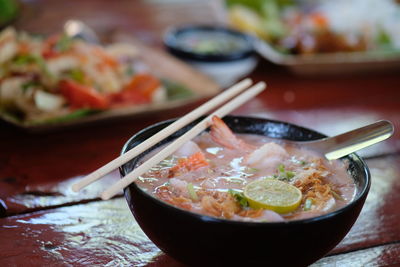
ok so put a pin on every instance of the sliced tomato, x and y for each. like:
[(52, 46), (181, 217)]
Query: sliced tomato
[(144, 83), (127, 97), (81, 96), (138, 91), (48, 45)]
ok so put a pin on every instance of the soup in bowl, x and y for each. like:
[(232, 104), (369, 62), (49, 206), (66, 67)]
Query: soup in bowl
[(246, 197)]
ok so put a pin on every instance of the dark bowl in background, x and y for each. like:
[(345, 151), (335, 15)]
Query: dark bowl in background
[(173, 35), (201, 240), (224, 67)]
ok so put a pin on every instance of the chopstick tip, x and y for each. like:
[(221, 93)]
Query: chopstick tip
[(105, 196), (75, 187), (264, 84)]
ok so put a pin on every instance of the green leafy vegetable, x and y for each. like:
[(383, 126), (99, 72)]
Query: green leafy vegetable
[(192, 192), (14, 116), (272, 20), (257, 5), (269, 12), (63, 44), (29, 84), (26, 59), (76, 75), (176, 91), (383, 38), (69, 117), (239, 197), (129, 71), (33, 59)]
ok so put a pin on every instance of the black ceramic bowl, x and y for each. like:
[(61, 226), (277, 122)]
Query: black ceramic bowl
[(174, 40), (220, 52), (201, 240)]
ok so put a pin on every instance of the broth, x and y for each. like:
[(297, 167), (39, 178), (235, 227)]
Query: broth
[(211, 175)]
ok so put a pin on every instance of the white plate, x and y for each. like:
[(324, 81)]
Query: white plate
[(331, 63)]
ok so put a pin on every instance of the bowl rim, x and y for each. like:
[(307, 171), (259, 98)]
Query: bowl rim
[(210, 219), (171, 36)]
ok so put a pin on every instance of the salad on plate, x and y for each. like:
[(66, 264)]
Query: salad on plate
[(318, 27), (58, 78)]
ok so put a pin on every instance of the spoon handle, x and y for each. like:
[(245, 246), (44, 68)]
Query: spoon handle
[(343, 144)]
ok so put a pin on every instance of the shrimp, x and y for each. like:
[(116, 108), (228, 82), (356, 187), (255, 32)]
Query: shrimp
[(164, 193), (187, 149), (312, 184), (219, 204), (195, 161), (268, 156), (261, 215), (221, 134), (179, 185)]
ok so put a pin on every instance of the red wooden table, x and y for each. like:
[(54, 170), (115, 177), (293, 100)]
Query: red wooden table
[(44, 223)]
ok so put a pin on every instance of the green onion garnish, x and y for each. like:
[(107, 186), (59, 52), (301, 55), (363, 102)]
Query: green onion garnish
[(252, 170), (192, 192), (283, 174), (336, 195), (281, 168), (308, 204), (289, 174), (239, 197)]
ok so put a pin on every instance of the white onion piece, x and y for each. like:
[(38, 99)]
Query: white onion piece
[(48, 102)]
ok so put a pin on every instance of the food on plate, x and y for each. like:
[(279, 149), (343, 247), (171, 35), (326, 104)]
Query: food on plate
[(249, 177), (59, 77), (309, 27), (209, 41)]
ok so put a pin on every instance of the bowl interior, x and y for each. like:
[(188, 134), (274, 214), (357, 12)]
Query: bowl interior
[(174, 36), (247, 125)]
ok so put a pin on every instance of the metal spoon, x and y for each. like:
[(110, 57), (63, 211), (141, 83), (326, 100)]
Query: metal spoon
[(78, 29), (343, 144)]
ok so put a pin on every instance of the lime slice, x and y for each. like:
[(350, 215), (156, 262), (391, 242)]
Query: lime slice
[(273, 195), (247, 20)]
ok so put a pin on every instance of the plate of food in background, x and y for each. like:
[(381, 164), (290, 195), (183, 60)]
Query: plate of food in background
[(49, 82), (322, 37)]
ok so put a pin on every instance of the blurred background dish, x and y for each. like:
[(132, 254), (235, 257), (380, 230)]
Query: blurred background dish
[(314, 37), (222, 53), (64, 79)]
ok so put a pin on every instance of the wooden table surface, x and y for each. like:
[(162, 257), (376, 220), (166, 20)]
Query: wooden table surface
[(44, 223)]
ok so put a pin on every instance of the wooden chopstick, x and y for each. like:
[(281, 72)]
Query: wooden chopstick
[(168, 150), (188, 118)]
